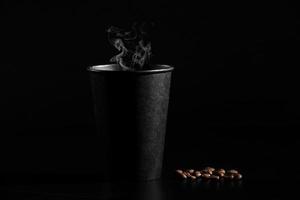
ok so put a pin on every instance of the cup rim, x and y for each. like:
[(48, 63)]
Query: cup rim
[(113, 68)]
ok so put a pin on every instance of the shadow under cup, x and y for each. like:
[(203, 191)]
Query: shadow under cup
[(131, 114)]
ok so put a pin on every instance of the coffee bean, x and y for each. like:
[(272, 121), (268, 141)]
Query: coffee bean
[(214, 177), (181, 173), (187, 174), (190, 171), (221, 174), (221, 171), (210, 169), (193, 177), (205, 175), (205, 171), (238, 176), (197, 173), (184, 176), (228, 176), (232, 171)]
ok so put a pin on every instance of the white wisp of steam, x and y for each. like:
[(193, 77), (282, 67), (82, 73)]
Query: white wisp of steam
[(134, 53)]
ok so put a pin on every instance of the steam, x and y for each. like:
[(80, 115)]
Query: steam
[(135, 50)]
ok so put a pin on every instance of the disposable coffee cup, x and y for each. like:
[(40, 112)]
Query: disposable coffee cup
[(131, 110)]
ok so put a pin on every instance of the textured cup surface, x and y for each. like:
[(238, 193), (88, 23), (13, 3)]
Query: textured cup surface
[(131, 114)]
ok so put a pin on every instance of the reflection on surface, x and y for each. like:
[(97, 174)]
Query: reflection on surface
[(211, 184), (145, 190), (148, 190)]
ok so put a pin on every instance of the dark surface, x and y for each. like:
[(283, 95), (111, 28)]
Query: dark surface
[(70, 170), (265, 174), (152, 190), (88, 186), (234, 95)]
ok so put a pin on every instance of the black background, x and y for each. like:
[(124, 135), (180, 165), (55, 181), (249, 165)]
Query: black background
[(234, 97)]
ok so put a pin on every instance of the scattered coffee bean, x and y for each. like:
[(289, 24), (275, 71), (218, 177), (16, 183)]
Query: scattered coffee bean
[(238, 176), (210, 169), (229, 176), (197, 173), (221, 174), (205, 175), (205, 171), (181, 173), (184, 176), (214, 177), (221, 171), (187, 174), (193, 177), (210, 173), (232, 171)]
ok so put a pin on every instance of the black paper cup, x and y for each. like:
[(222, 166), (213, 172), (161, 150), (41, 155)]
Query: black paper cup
[(131, 114)]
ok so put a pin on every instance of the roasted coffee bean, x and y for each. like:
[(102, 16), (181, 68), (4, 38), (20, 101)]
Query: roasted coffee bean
[(190, 176), (187, 174), (205, 171), (181, 173), (232, 171), (190, 171), (229, 176), (193, 177), (238, 176), (221, 174), (184, 176), (210, 169), (214, 177), (197, 173), (221, 171), (205, 175)]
